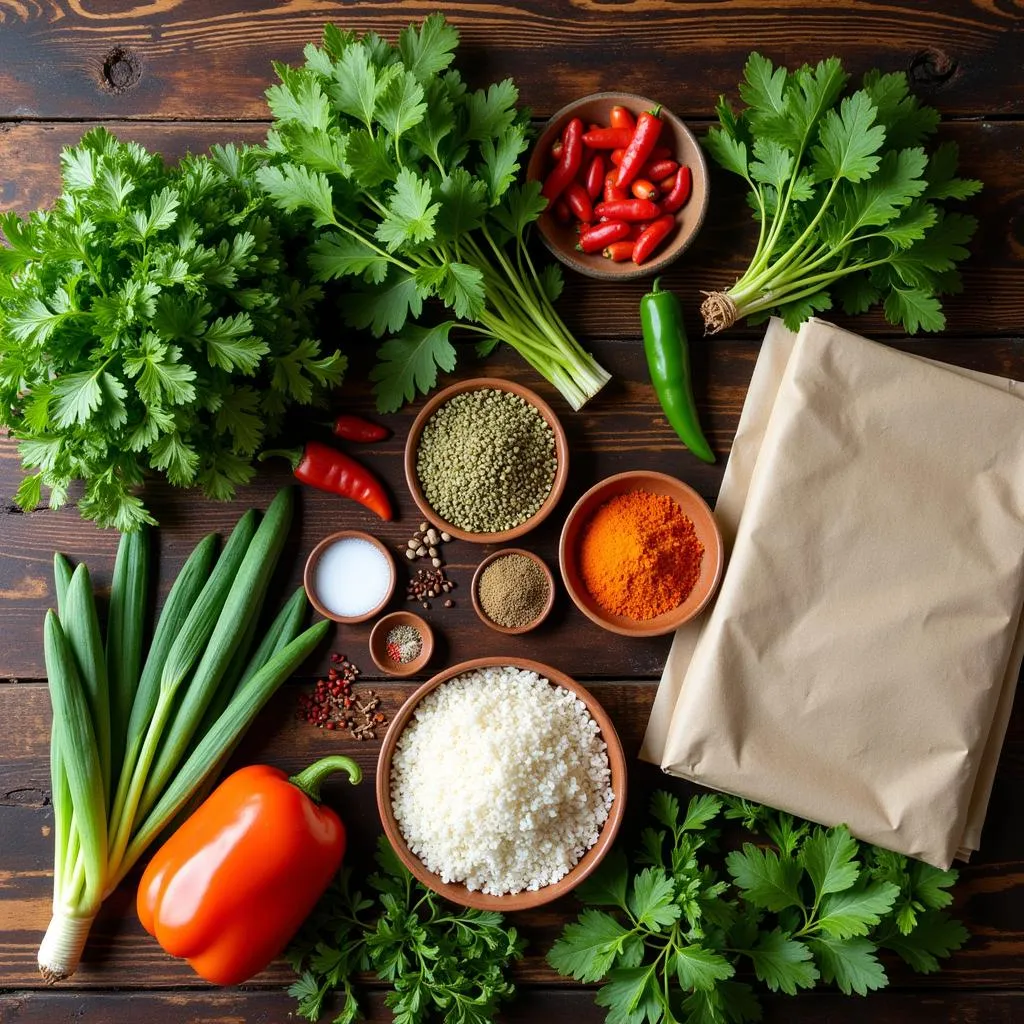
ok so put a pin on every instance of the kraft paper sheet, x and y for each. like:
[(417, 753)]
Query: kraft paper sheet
[(858, 664)]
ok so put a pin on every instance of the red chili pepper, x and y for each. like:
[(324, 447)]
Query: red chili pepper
[(608, 138), (616, 158), (572, 156), (645, 138), (628, 209), (652, 237), (579, 202), (359, 429), (556, 150), (596, 238), (561, 211), (644, 189), (612, 192), (595, 176), (667, 184), (327, 469), (619, 252), (676, 199), (620, 117), (658, 169)]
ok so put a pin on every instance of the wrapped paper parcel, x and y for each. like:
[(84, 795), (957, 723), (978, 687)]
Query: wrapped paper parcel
[(859, 661)]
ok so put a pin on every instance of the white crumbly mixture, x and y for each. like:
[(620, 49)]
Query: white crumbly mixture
[(501, 781)]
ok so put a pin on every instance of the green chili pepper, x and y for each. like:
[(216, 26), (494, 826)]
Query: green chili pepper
[(668, 359)]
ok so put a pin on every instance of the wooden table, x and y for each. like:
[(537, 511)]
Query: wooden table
[(179, 76)]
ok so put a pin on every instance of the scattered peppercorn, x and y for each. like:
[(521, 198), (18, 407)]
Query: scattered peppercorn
[(334, 706), (486, 460)]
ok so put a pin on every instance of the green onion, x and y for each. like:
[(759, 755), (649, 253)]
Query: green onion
[(174, 743)]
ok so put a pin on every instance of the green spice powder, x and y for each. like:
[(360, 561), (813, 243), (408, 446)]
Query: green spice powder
[(513, 590), (486, 461)]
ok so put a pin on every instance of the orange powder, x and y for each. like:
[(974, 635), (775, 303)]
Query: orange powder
[(639, 555)]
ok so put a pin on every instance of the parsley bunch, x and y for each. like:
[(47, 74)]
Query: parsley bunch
[(443, 962), (846, 196), (150, 322), (812, 905), (409, 178)]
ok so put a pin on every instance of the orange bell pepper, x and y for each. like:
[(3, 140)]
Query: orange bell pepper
[(230, 888)]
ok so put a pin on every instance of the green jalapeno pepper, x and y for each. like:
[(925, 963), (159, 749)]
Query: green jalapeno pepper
[(668, 359)]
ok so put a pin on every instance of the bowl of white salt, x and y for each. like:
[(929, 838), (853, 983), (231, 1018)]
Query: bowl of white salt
[(349, 576), (501, 783)]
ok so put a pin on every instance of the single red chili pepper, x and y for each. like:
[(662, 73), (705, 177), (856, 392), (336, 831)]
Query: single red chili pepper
[(608, 138), (676, 199), (230, 888), (638, 152), (644, 189), (628, 209), (596, 238), (658, 169), (359, 429), (619, 252), (561, 211), (667, 184), (652, 237), (595, 176), (328, 469), (612, 192), (579, 202), (572, 156), (620, 117)]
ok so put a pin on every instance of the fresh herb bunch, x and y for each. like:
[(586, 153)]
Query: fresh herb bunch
[(813, 905), (846, 196), (443, 962), (410, 178), (150, 322)]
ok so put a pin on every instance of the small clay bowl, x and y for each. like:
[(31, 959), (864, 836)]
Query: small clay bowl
[(692, 505), (526, 899), (412, 444), (309, 576), (561, 239), (378, 643), (478, 608)]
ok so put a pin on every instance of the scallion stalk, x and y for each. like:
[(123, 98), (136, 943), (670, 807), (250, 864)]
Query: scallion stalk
[(172, 748)]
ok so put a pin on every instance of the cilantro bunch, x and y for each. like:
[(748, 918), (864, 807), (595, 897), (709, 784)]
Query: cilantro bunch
[(810, 905), (150, 322), (443, 962), (408, 179), (847, 198)]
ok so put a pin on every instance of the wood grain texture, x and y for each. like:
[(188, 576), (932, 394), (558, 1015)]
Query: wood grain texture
[(169, 59), (989, 896), (530, 1007), (992, 302)]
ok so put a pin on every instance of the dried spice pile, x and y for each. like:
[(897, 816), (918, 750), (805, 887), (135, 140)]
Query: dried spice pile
[(334, 704)]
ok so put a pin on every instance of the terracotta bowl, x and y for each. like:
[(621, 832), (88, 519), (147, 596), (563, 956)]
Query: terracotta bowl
[(561, 238), (309, 576), (378, 643), (413, 442), (522, 900), (693, 506), (478, 608)]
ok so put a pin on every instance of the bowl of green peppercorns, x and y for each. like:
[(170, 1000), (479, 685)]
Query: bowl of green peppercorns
[(486, 460)]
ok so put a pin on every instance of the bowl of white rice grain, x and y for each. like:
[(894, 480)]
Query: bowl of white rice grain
[(501, 783)]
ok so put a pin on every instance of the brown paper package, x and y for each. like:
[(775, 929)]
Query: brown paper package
[(859, 662)]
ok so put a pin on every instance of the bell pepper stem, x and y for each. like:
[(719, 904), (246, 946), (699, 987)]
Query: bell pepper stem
[(310, 779), (293, 455)]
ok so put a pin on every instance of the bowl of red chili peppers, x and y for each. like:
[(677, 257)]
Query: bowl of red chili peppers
[(626, 185)]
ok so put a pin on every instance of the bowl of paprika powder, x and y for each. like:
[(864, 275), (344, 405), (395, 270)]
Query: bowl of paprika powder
[(641, 554)]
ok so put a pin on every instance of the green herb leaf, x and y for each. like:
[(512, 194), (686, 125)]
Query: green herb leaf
[(587, 949), (782, 963), (699, 968), (854, 911), (829, 857), (936, 935), (410, 213), (409, 362), (651, 900), (766, 880), (851, 964)]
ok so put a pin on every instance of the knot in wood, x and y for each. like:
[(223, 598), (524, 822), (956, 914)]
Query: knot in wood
[(931, 67), (122, 68)]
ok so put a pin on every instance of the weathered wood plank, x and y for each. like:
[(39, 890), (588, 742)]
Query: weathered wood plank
[(992, 301), (531, 1006), (989, 897), (165, 59)]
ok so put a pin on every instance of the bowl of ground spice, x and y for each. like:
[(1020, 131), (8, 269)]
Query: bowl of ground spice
[(513, 591), (486, 460), (641, 554), (401, 643)]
